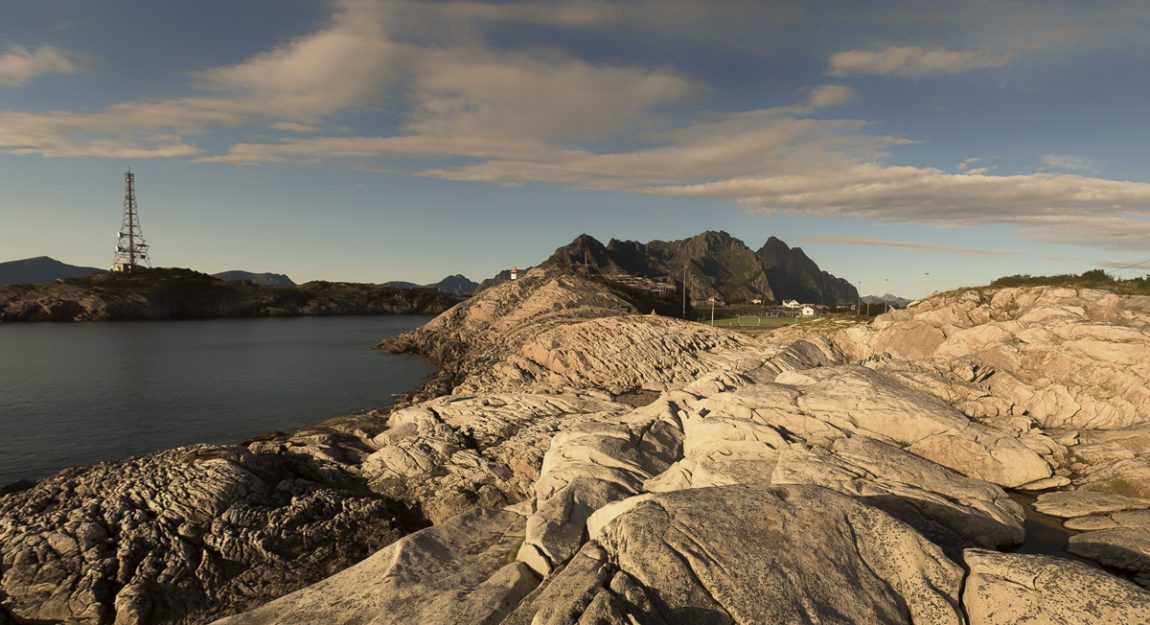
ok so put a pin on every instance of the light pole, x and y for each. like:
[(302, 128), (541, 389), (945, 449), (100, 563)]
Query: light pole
[(858, 307), (886, 291), (712, 311), (684, 289), (927, 274)]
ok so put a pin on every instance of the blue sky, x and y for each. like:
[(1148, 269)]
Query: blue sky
[(369, 140)]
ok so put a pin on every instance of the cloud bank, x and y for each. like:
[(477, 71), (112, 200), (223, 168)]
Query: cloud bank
[(914, 61), (461, 107), (18, 65)]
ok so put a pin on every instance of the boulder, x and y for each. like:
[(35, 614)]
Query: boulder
[(1123, 548), (1016, 589), (460, 571), (754, 554), (950, 509), (1077, 503), (857, 399)]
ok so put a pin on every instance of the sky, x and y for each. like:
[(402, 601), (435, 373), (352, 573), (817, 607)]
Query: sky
[(906, 146)]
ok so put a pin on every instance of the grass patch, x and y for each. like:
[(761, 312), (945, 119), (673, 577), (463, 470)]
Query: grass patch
[(751, 322)]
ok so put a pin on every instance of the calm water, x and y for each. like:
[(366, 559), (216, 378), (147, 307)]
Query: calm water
[(79, 393)]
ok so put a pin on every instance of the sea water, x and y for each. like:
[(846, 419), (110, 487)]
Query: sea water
[(78, 393)]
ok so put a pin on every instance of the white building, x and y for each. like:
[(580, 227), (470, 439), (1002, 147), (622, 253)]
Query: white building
[(808, 311), (791, 303)]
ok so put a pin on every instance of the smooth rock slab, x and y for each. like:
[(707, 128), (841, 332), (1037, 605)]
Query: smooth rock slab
[(951, 509), (1125, 548), (755, 554), (1076, 503), (461, 571), (1125, 518), (1017, 589), (857, 399)]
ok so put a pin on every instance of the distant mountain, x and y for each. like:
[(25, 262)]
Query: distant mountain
[(399, 284), (455, 285), (792, 275), (39, 270), (262, 279), (715, 265), (893, 300)]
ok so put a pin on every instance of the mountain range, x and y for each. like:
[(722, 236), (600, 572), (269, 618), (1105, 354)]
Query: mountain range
[(714, 264), (455, 285), (888, 298)]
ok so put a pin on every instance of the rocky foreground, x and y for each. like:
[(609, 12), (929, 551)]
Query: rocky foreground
[(574, 462)]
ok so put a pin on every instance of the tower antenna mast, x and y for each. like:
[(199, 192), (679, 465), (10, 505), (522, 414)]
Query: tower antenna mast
[(131, 249)]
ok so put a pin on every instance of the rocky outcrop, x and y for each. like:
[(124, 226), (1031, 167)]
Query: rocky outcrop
[(462, 569), (185, 294), (714, 264), (753, 554), (1063, 358), (181, 535), (1007, 589), (581, 463)]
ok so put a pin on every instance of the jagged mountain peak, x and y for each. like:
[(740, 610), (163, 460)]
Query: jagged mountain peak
[(714, 264)]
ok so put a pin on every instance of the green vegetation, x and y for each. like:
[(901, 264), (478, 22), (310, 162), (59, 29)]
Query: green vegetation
[(757, 322), (1093, 279), (666, 304), (145, 279)]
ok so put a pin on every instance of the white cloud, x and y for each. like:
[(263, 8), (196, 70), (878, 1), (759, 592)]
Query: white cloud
[(462, 91), (904, 245), (469, 110), (913, 61), (967, 164), (343, 65), (18, 65), (831, 95), (1068, 161)]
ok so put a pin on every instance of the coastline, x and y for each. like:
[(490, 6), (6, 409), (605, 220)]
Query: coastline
[(735, 462), (183, 294)]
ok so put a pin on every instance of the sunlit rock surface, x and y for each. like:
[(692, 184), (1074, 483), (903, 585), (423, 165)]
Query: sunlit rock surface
[(581, 463)]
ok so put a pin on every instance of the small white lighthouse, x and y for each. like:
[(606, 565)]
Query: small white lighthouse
[(514, 273)]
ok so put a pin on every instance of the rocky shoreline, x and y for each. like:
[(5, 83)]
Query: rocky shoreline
[(576, 462), (154, 294)]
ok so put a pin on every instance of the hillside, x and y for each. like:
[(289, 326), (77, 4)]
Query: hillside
[(187, 294), (716, 265), (39, 270), (264, 279)]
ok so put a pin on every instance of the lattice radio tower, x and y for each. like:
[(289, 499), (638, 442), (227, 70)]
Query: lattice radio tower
[(131, 249)]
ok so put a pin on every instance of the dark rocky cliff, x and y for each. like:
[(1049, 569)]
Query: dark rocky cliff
[(795, 276), (716, 265)]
